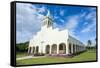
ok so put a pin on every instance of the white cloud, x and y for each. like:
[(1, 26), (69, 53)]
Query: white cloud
[(83, 14), (28, 21), (85, 23), (61, 12), (42, 9), (90, 15), (62, 20), (91, 27), (92, 24), (72, 22), (56, 17), (72, 33)]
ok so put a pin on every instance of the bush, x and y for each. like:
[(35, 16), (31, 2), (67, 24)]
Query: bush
[(39, 54), (22, 47)]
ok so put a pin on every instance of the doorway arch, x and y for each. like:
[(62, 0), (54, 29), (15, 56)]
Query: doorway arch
[(62, 48), (37, 49), (54, 49), (70, 48), (47, 49)]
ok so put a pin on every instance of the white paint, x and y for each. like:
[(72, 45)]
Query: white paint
[(5, 34), (49, 36)]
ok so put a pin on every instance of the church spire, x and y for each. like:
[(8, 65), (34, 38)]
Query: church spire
[(47, 21), (48, 14)]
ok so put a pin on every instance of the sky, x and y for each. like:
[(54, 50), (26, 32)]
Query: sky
[(80, 21)]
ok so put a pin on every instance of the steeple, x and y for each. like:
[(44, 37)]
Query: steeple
[(47, 21), (48, 14)]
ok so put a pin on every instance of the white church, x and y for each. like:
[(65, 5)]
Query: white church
[(53, 41)]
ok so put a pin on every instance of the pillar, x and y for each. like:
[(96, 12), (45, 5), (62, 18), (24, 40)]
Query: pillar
[(34, 50), (71, 48), (75, 48), (31, 50), (50, 49), (79, 48), (44, 48), (28, 50), (57, 49), (67, 49)]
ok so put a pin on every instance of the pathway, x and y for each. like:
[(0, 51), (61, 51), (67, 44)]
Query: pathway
[(29, 57)]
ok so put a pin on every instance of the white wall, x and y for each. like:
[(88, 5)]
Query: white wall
[(5, 34)]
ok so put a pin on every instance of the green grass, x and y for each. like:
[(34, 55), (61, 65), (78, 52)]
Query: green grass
[(86, 56), (21, 54)]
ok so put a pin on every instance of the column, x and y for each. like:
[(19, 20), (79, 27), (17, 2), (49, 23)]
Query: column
[(71, 48), (50, 49), (79, 48), (57, 49), (31, 50), (28, 50), (44, 48), (34, 50), (67, 49), (75, 48)]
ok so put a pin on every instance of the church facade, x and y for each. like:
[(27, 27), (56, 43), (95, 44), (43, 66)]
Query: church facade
[(53, 41)]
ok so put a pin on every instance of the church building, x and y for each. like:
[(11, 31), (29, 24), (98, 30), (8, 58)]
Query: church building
[(53, 41)]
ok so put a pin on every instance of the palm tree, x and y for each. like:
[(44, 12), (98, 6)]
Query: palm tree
[(89, 43)]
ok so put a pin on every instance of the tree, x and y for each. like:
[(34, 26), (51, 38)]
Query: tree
[(22, 47), (89, 43), (95, 42)]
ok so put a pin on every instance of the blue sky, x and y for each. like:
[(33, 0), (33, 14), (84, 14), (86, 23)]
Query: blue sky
[(80, 21)]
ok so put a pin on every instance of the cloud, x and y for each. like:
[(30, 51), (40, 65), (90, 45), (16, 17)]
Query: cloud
[(85, 23), (62, 20), (72, 22), (90, 15), (61, 12), (56, 17), (28, 21), (91, 25), (42, 9)]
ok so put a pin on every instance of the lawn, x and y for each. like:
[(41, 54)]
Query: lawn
[(86, 56), (21, 54)]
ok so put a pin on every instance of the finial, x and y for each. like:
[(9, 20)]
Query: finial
[(48, 14)]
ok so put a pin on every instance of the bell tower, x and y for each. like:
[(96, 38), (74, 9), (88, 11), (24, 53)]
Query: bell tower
[(47, 21)]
